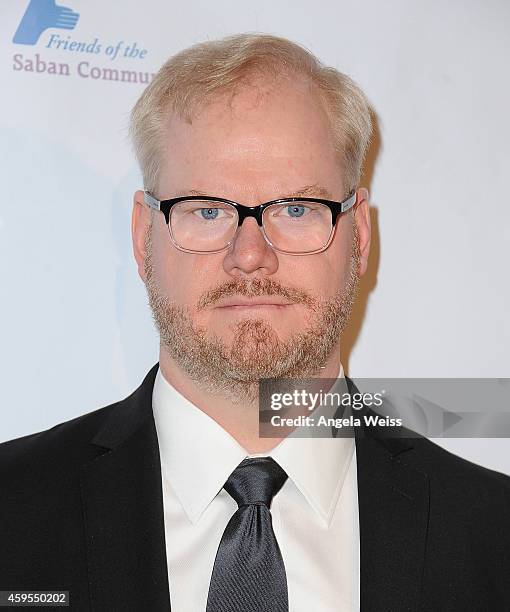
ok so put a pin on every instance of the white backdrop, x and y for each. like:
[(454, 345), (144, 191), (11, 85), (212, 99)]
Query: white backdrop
[(75, 329)]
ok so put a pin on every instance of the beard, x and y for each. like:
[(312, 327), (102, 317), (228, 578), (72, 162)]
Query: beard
[(256, 351)]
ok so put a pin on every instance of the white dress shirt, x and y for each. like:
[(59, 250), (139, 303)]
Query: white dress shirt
[(315, 514)]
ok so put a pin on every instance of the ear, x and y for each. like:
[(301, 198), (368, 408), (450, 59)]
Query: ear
[(362, 220), (140, 222)]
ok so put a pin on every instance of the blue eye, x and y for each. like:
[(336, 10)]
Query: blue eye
[(296, 210), (209, 213)]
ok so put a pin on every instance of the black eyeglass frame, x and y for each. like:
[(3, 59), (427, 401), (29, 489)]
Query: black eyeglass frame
[(336, 208)]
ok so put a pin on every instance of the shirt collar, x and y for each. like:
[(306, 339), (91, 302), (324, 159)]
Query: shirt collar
[(317, 465), (188, 438)]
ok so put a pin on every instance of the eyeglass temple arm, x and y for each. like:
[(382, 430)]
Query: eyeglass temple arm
[(349, 203), (151, 201)]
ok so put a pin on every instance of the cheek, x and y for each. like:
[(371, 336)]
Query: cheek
[(177, 280), (182, 277), (336, 268)]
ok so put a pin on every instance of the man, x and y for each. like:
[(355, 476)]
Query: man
[(250, 235)]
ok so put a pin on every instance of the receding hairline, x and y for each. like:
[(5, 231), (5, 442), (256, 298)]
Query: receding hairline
[(265, 79)]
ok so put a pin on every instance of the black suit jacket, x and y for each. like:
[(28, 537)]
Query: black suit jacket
[(81, 510)]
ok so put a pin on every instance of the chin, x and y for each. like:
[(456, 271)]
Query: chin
[(254, 327)]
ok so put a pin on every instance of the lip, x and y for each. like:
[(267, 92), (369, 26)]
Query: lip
[(252, 303)]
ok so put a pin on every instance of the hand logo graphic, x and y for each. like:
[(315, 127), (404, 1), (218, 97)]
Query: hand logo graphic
[(41, 15)]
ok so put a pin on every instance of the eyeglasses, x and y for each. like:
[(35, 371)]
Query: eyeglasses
[(296, 226)]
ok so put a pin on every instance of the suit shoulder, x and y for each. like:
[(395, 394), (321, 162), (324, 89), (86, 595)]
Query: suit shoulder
[(67, 445), (51, 450), (460, 475)]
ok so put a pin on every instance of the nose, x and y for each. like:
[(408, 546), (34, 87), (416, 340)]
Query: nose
[(250, 253)]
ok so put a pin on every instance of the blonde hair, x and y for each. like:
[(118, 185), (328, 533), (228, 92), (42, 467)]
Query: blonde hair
[(188, 79)]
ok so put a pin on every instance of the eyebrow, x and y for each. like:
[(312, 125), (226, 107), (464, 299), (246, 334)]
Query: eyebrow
[(311, 191), (308, 191)]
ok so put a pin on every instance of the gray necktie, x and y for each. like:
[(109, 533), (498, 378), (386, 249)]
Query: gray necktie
[(248, 573)]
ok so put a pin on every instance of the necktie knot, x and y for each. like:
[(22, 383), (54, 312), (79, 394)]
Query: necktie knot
[(255, 480)]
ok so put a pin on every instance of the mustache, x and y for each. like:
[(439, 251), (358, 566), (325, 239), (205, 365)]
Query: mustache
[(254, 288)]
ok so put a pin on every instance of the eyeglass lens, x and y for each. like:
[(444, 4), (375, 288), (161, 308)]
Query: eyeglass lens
[(295, 227)]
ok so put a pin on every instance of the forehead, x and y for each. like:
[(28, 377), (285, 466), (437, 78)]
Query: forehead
[(267, 135)]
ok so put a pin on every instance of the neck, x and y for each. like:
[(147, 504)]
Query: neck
[(240, 420)]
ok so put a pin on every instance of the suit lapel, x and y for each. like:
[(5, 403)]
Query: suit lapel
[(123, 510), (393, 516)]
